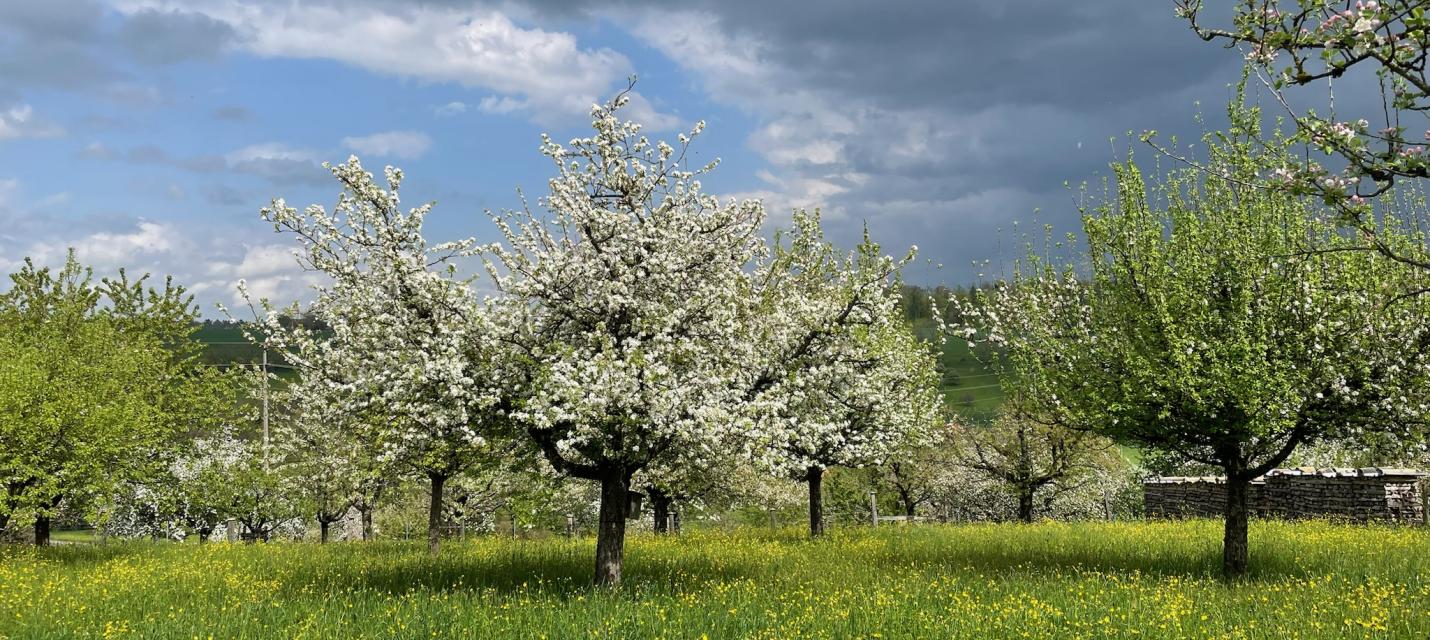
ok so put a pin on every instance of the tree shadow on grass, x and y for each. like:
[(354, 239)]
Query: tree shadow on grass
[(561, 572)]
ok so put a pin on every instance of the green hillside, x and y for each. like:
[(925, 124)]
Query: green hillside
[(970, 387)]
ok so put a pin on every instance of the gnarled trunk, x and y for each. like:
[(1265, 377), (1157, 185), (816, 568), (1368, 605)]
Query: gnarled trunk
[(1234, 550), (1025, 504), (42, 530), (814, 476), (366, 516), (434, 513), (660, 507), (910, 505), (323, 531), (611, 534)]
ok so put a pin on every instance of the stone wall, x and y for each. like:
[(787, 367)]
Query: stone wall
[(1194, 497), (1356, 495)]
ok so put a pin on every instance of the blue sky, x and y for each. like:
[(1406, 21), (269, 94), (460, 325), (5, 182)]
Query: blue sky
[(148, 133)]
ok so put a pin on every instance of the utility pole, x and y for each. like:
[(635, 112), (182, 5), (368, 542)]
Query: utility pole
[(264, 375)]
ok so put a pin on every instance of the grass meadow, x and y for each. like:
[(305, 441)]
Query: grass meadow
[(1049, 580)]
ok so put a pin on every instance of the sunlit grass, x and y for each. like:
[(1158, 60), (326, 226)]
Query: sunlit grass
[(1149, 580)]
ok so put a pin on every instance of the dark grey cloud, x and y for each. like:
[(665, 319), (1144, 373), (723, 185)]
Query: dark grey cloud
[(153, 36), (49, 44), (70, 20), (939, 123), (33, 62), (69, 45)]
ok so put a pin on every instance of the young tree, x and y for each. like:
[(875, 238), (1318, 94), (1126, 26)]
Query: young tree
[(261, 496), (408, 351), (202, 475), (322, 460), (1033, 458), (850, 384), (1214, 318), (629, 302), (1301, 43), (913, 473)]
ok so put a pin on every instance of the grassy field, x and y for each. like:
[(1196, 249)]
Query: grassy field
[(1119, 580)]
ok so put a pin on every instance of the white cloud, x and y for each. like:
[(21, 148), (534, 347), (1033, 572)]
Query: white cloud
[(398, 144), (547, 74), (269, 151), (451, 108), (277, 162), (270, 271), (19, 122), (108, 250), (205, 259)]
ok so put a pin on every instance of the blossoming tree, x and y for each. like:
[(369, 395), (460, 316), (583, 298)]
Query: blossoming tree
[(845, 382), (1303, 43), (1216, 319), (409, 352), (1033, 459), (629, 300)]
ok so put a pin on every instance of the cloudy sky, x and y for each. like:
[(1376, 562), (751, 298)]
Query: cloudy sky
[(148, 133)]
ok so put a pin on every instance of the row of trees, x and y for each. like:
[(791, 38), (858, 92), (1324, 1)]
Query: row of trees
[(644, 335)]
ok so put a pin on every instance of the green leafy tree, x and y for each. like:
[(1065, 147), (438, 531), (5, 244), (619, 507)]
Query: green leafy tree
[(101, 383), (1217, 319)]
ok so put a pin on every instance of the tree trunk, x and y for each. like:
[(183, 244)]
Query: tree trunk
[(815, 477), (611, 535), (909, 506), (660, 506), (1234, 547), (434, 514), (1025, 504), (42, 531), (323, 531), (366, 516), (204, 535), (675, 521)]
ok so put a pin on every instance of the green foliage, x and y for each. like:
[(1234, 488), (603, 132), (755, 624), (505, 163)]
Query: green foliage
[(98, 384), (1216, 319)]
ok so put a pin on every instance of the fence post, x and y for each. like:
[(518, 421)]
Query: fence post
[(570, 525), (873, 508)]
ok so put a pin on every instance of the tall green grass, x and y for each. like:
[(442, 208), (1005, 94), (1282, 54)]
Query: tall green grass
[(1051, 580)]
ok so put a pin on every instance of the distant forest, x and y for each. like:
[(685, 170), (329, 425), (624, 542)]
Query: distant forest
[(968, 385)]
